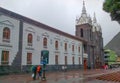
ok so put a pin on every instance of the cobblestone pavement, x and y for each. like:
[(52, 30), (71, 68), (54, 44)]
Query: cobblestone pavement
[(79, 76), (110, 77)]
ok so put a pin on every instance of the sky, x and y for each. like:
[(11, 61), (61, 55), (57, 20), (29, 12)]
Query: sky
[(61, 14)]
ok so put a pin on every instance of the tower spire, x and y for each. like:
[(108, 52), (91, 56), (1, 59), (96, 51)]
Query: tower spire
[(83, 9), (84, 18), (94, 18)]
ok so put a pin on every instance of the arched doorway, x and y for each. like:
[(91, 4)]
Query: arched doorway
[(85, 63)]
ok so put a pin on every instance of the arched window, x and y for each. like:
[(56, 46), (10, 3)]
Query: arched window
[(78, 49), (81, 31), (56, 45), (6, 34), (45, 42), (73, 48), (65, 46), (30, 39)]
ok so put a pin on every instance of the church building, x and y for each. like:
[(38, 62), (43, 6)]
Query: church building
[(91, 31), (22, 41)]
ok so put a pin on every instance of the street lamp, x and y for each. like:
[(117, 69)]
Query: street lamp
[(44, 61)]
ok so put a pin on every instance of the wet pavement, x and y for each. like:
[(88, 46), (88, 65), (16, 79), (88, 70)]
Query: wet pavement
[(115, 76), (78, 76)]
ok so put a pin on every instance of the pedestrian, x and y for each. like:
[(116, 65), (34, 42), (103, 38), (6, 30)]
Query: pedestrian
[(106, 67), (34, 68), (63, 68), (110, 66), (39, 71)]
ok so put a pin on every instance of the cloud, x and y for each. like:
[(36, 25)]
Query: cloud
[(61, 14)]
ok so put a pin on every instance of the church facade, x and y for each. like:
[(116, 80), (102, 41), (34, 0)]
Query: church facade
[(22, 40), (91, 31)]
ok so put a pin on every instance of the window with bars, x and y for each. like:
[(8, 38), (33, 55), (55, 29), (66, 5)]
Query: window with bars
[(65, 60), (73, 61), (79, 60), (56, 59), (5, 58), (29, 58)]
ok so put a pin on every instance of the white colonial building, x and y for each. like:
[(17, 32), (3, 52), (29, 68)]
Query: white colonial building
[(22, 40)]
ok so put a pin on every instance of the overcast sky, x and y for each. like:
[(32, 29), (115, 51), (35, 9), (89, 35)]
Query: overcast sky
[(61, 14)]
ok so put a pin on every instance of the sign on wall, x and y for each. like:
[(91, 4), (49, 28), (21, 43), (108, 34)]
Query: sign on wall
[(44, 57)]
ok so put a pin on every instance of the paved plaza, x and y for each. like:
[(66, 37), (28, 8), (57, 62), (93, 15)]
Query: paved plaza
[(78, 76)]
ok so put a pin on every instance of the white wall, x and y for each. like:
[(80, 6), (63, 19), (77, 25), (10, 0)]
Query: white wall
[(38, 35), (12, 46)]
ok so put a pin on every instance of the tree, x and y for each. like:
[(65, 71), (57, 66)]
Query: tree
[(112, 7)]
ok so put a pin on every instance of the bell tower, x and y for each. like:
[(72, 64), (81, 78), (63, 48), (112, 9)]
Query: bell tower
[(84, 25), (84, 31)]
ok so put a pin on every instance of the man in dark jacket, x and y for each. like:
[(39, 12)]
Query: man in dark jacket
[(34, 69)]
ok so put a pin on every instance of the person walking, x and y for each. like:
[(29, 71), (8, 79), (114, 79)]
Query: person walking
[(34, 68), (39, 71)]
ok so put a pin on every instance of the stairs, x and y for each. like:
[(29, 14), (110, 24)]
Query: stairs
[(16, 64)]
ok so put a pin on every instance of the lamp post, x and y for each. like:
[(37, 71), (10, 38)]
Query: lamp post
[(45, 60), (44, 69)]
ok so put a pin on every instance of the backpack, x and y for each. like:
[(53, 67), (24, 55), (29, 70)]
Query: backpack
[(38, 68)]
